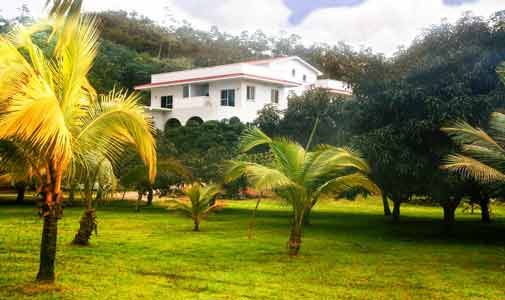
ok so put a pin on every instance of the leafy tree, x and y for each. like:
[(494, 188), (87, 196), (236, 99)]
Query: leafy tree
[(448, 73), (202, 201), (52, 109), (300, 177)]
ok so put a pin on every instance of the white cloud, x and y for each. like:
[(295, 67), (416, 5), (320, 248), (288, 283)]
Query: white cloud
[(381, 24)]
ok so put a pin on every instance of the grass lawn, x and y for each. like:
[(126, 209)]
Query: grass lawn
[(349, 252)]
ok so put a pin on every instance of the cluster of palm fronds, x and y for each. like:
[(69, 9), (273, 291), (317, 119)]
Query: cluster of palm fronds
[(482, 156), (201, 200), (299, 177)]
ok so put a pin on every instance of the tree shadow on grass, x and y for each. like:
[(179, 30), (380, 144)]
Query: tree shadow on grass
[(33, 289)]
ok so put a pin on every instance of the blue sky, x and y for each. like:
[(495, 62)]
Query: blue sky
[(381, 24)]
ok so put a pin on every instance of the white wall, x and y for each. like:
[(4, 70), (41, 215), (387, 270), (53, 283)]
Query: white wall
[(209, 108)]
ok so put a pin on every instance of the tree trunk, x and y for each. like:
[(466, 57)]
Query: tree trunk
[(48, 243), (150, 196), (484, 208), (20, 189), (295, 240), (197, 225), (139, 198), (88, 225), (396, 210), (450, 206), (385, 202), (449, 214)]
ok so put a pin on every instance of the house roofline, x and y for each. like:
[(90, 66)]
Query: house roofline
[(215, 78)]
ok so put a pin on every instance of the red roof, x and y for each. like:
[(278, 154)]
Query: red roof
[(224, 76)]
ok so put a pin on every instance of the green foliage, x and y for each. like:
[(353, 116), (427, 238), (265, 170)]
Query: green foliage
[(448, 73), (203, 148), (122, 67), (298, 120), (300, 177)]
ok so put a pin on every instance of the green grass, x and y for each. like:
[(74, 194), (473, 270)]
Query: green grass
[(349, 252)]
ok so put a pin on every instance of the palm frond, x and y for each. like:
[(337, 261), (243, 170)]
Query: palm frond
[(253, 137), (345, 183), (114, 122), (472, 168), (463, 133), (260, 177), (288, 156)]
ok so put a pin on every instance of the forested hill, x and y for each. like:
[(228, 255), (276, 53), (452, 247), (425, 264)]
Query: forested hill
[(135, 46)]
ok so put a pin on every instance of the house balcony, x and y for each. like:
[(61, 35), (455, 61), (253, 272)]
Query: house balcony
[(193, 102)]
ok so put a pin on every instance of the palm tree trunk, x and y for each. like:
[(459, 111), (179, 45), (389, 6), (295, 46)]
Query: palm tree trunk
[(87, 226), (295, 240), (197, 225), (49, 238), (385, 202)]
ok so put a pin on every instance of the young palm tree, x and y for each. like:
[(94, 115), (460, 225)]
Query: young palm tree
[(98, 170), (202, 201), (300, 177), (483, 155), (48, 105)]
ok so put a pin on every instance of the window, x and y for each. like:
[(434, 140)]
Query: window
[(293, 72), (292, 93), (275, 96), (304, 78), (251, 92), (185, 91), (167, 102), (227, 97)]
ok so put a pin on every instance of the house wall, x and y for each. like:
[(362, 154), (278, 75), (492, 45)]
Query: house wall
[(285, 67), (209, 108)]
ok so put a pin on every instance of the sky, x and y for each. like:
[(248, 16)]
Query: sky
[(383, 25)]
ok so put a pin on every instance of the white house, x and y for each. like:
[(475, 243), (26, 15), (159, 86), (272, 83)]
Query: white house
[(235, 90)]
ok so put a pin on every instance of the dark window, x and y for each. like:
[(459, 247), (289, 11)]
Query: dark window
[(185, 91), (251, 93), (293, 73), (304, 78), (167, 102), (227, 97), (275, 96)]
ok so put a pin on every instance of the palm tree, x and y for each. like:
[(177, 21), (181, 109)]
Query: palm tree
[(202, 201), (482, 156), (99, 171), (49, 106), (300, 177)]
